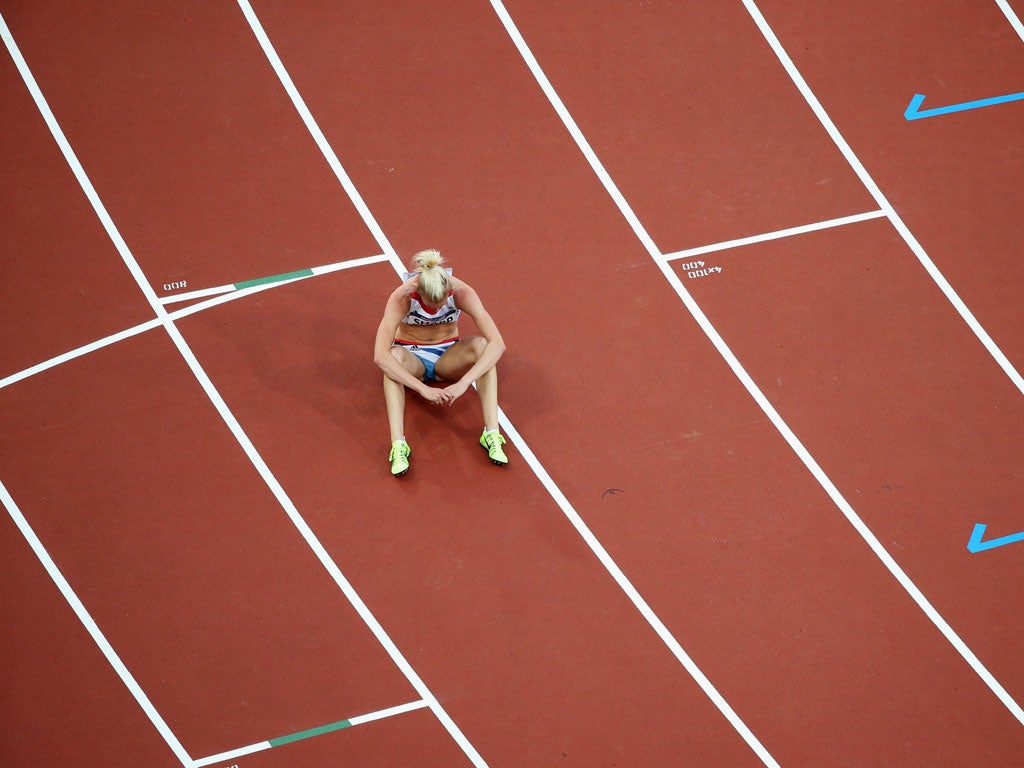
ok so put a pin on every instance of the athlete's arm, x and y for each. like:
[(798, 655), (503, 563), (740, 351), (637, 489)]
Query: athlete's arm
[(469, 302), (394, 311)]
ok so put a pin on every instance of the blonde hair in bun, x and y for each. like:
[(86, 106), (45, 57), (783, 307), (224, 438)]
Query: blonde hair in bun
[(434, 283)]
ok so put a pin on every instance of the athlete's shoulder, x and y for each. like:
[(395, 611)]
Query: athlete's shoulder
[(406, 289), (461, 286), (401, 297)]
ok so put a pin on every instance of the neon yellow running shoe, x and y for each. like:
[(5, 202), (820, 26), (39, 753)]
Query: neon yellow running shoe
[(493, 441), (399, 457)]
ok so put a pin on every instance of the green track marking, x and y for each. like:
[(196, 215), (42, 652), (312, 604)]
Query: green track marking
[(299, 736), (230, 755), (274, 279)]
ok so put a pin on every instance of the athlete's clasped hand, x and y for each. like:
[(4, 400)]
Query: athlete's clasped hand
[(446, 396)]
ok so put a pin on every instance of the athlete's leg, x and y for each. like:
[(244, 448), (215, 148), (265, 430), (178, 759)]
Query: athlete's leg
[(453, 365), (394, 393), (458, 359), (487, 388)]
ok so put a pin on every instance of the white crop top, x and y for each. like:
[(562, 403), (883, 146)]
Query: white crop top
[(419, 315), (446, 314)]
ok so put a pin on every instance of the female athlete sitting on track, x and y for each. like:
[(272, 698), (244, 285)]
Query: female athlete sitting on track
[(418, 341)]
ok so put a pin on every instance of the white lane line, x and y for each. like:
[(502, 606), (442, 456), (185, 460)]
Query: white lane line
[(792, 231), (655, 622), (634, 595), (80, 351), (401, 709), (880, 199), (282, 279), (311, 733), (314, 128), (328, 268), (90, 625), (242, 438), (1011, 17), (747, 381), (223, 757), (378, 234), (200, 294)]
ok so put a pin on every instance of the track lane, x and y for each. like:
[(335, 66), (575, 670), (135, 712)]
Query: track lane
[(189, 140), (904, 717), (182, 556)]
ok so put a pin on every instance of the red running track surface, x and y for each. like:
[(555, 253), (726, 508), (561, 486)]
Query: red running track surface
[(148, 504)]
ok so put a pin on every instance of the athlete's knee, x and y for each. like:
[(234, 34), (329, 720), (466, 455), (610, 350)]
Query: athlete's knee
[(475, 346), (406, 359)]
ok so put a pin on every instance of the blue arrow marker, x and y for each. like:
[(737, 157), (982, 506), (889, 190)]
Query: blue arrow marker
[(915, 113), (977, 545)]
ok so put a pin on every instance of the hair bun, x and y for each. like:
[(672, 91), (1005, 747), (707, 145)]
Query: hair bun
[(434, 283), (428, 259)]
